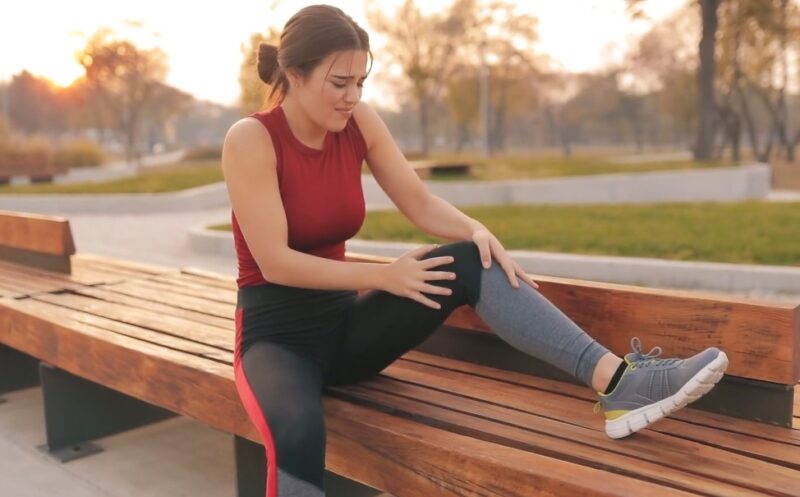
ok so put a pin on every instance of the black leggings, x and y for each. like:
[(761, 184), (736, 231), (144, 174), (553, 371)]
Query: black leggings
[(292, 342)]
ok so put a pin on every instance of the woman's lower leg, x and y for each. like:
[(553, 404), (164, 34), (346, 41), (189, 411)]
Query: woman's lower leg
[(524, 318)]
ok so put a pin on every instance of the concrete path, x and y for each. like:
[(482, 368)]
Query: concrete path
[(177, 457)]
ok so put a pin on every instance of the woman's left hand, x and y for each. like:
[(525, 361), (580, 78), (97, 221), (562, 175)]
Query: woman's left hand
[(489, 246)]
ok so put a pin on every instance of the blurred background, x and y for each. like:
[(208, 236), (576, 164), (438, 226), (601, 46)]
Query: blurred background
[(92, 80)]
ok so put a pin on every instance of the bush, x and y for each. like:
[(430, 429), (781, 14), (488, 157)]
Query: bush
[(31, 151), (79, 153), (202, 153)]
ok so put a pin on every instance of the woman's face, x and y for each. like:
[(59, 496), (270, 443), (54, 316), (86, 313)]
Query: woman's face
[(333, 88)]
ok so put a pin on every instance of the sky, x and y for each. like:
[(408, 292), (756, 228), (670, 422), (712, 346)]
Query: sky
[(203, 39)]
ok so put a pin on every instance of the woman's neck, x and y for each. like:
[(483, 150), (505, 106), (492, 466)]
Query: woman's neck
[(302, 127)]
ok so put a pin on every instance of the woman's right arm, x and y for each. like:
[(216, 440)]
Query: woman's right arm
[(250, 169)]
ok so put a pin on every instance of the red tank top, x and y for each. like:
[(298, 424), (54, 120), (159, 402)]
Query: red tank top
[(320, 189)]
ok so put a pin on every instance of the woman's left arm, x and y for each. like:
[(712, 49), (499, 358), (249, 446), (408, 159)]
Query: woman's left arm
[(428, 212), (440, 218)]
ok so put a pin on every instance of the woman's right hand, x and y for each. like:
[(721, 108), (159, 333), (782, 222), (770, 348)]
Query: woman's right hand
[(407, 276)]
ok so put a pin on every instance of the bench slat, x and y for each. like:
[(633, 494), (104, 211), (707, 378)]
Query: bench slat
[(146, 290), (545, 412), (174, 306), (71, 317), (213, 295), (699, 424), (505, 426), (189, 281), (123, 267), (170, 325), (358, 433)]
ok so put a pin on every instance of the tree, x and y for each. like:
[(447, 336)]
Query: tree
[(706, 98), (124, 81), (449, 56), (424, 47)]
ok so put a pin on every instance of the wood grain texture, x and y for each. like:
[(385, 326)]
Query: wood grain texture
[(48, 235)]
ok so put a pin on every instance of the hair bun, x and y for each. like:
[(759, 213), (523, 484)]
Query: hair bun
[(267, 62)]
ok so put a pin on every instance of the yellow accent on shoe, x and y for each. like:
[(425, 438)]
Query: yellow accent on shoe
[(616, 414), (610, 414)]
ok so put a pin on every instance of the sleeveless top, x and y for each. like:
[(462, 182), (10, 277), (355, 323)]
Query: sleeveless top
[(320, 189)]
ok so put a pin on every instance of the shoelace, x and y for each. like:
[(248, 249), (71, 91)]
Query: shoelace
[(642, 360), (645, 360)]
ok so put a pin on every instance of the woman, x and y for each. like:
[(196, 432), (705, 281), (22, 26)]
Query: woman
[(294, 179)]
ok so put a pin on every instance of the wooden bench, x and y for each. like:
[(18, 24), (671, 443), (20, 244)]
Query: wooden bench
[(37, 172), (429, 168), (464, 414)]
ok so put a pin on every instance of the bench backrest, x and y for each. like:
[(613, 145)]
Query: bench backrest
[(761, 338), (39, 241)]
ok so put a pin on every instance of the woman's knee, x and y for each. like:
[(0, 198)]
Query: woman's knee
[(298, 432), (297, 427), (466, 265)]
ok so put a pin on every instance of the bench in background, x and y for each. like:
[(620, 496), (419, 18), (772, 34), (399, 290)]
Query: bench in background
[(36, 172), (430, 168)]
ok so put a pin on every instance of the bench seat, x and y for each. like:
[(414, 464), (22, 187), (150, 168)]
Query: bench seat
[(427, 425)]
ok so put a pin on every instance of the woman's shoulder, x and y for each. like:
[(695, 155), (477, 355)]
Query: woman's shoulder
[(248, 141), (248, 132)]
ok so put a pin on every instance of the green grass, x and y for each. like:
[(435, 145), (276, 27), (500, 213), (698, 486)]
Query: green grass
[(746, 232), (545, 166), (170, 178)]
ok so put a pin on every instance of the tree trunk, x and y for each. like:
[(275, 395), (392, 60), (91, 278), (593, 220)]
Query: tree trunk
[(423, 126), (705, 81)]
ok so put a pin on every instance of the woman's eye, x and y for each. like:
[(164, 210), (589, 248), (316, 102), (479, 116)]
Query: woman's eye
[(338, 85)]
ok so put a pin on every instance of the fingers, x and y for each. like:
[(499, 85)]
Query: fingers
[(437, 261), (527, 279), (486, 255), (418, 252), (436, 290), (422, 299)]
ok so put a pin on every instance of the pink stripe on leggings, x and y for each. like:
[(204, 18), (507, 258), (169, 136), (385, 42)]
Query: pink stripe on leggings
[(253, 409)]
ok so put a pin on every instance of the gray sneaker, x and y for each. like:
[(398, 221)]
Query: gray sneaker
[(651, 388)]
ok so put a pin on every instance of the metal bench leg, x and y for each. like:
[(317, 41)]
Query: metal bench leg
[(17, 371), (251, 468), (251, 463), (77, 411)]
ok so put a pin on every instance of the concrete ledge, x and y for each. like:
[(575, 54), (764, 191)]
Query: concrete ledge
[(719, 184), (722, 184), (749, 279), (203, 197)]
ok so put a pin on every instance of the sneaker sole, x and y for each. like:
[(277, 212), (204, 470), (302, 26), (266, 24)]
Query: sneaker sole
[(698, 385)]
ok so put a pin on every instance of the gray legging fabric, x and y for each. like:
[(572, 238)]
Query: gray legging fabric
[(531, 323)]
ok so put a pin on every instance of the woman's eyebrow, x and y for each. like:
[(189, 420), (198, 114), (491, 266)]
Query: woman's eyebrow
[(343, 76)]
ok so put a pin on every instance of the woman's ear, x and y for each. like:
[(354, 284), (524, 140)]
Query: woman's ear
[(295, 79)]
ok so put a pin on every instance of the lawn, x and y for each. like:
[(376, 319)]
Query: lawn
[(745, 232), (170, 178)]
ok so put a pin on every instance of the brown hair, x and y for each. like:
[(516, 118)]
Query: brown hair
[(308, 37)]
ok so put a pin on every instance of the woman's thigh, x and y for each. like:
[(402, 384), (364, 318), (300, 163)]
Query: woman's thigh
[(282, 392), (381, 326)]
